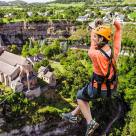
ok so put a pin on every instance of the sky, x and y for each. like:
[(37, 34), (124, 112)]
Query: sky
[(30, 1)]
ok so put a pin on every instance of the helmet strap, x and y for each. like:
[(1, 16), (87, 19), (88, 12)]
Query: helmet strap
[(101, 44)]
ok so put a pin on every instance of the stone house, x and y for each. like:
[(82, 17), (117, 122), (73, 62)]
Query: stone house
[(47, 76), (29, 13), (9, 15), (50, 78), (16, 72), (9, 67)]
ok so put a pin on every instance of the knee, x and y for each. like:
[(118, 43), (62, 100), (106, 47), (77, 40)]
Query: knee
[(80, 101)]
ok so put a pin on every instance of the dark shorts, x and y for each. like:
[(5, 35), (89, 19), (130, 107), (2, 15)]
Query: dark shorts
[(88, 92)]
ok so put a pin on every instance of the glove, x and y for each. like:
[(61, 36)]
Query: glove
[(117, 24), (98, 22), (117, 19)]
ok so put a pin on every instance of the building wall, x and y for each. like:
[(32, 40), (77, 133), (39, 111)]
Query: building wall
[(16, 86), (9, 77), (1, 77), (6, 80), (15, 74), (49, 80)]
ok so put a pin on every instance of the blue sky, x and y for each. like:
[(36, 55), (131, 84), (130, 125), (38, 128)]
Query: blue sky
[(30, 1)]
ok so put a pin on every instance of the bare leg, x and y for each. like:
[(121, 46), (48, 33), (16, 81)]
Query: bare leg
[(85, 109), (76, 111)]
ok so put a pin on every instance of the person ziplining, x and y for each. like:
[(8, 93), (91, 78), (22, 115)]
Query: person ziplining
[(104, 77)]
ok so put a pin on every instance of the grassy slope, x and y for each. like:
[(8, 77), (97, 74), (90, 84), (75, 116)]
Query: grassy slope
[(132, 15), (58, 66), (129, 30)]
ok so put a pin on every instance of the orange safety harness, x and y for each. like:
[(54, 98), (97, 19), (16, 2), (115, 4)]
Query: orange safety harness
[(104, 79)]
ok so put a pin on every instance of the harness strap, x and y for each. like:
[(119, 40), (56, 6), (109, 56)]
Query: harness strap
[(108, 88), (99, 88), (110, 61), (100, 79), (105, 53)]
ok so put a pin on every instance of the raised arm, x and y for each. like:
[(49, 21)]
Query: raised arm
[(92, 41), (117, 39)]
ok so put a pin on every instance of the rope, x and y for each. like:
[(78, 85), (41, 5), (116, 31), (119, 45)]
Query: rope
[(107, 130)]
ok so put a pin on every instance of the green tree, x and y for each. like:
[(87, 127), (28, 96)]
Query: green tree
[(52, 50), (13, 49), (25, 50)]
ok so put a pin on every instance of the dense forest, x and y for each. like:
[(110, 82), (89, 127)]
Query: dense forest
[(40, 109)]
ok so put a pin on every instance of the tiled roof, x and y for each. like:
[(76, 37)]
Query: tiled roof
[(48, 74), (12, 59), (6, 68), (43, 69), (9, 62)]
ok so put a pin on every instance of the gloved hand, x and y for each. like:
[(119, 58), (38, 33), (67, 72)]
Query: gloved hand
[(118, 19), (96, 23), (117, 24), (110, 18)]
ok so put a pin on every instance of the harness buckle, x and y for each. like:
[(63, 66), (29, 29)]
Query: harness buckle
[(105, 80)]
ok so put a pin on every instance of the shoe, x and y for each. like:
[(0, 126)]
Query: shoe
[(91, 127), (69, 117)]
